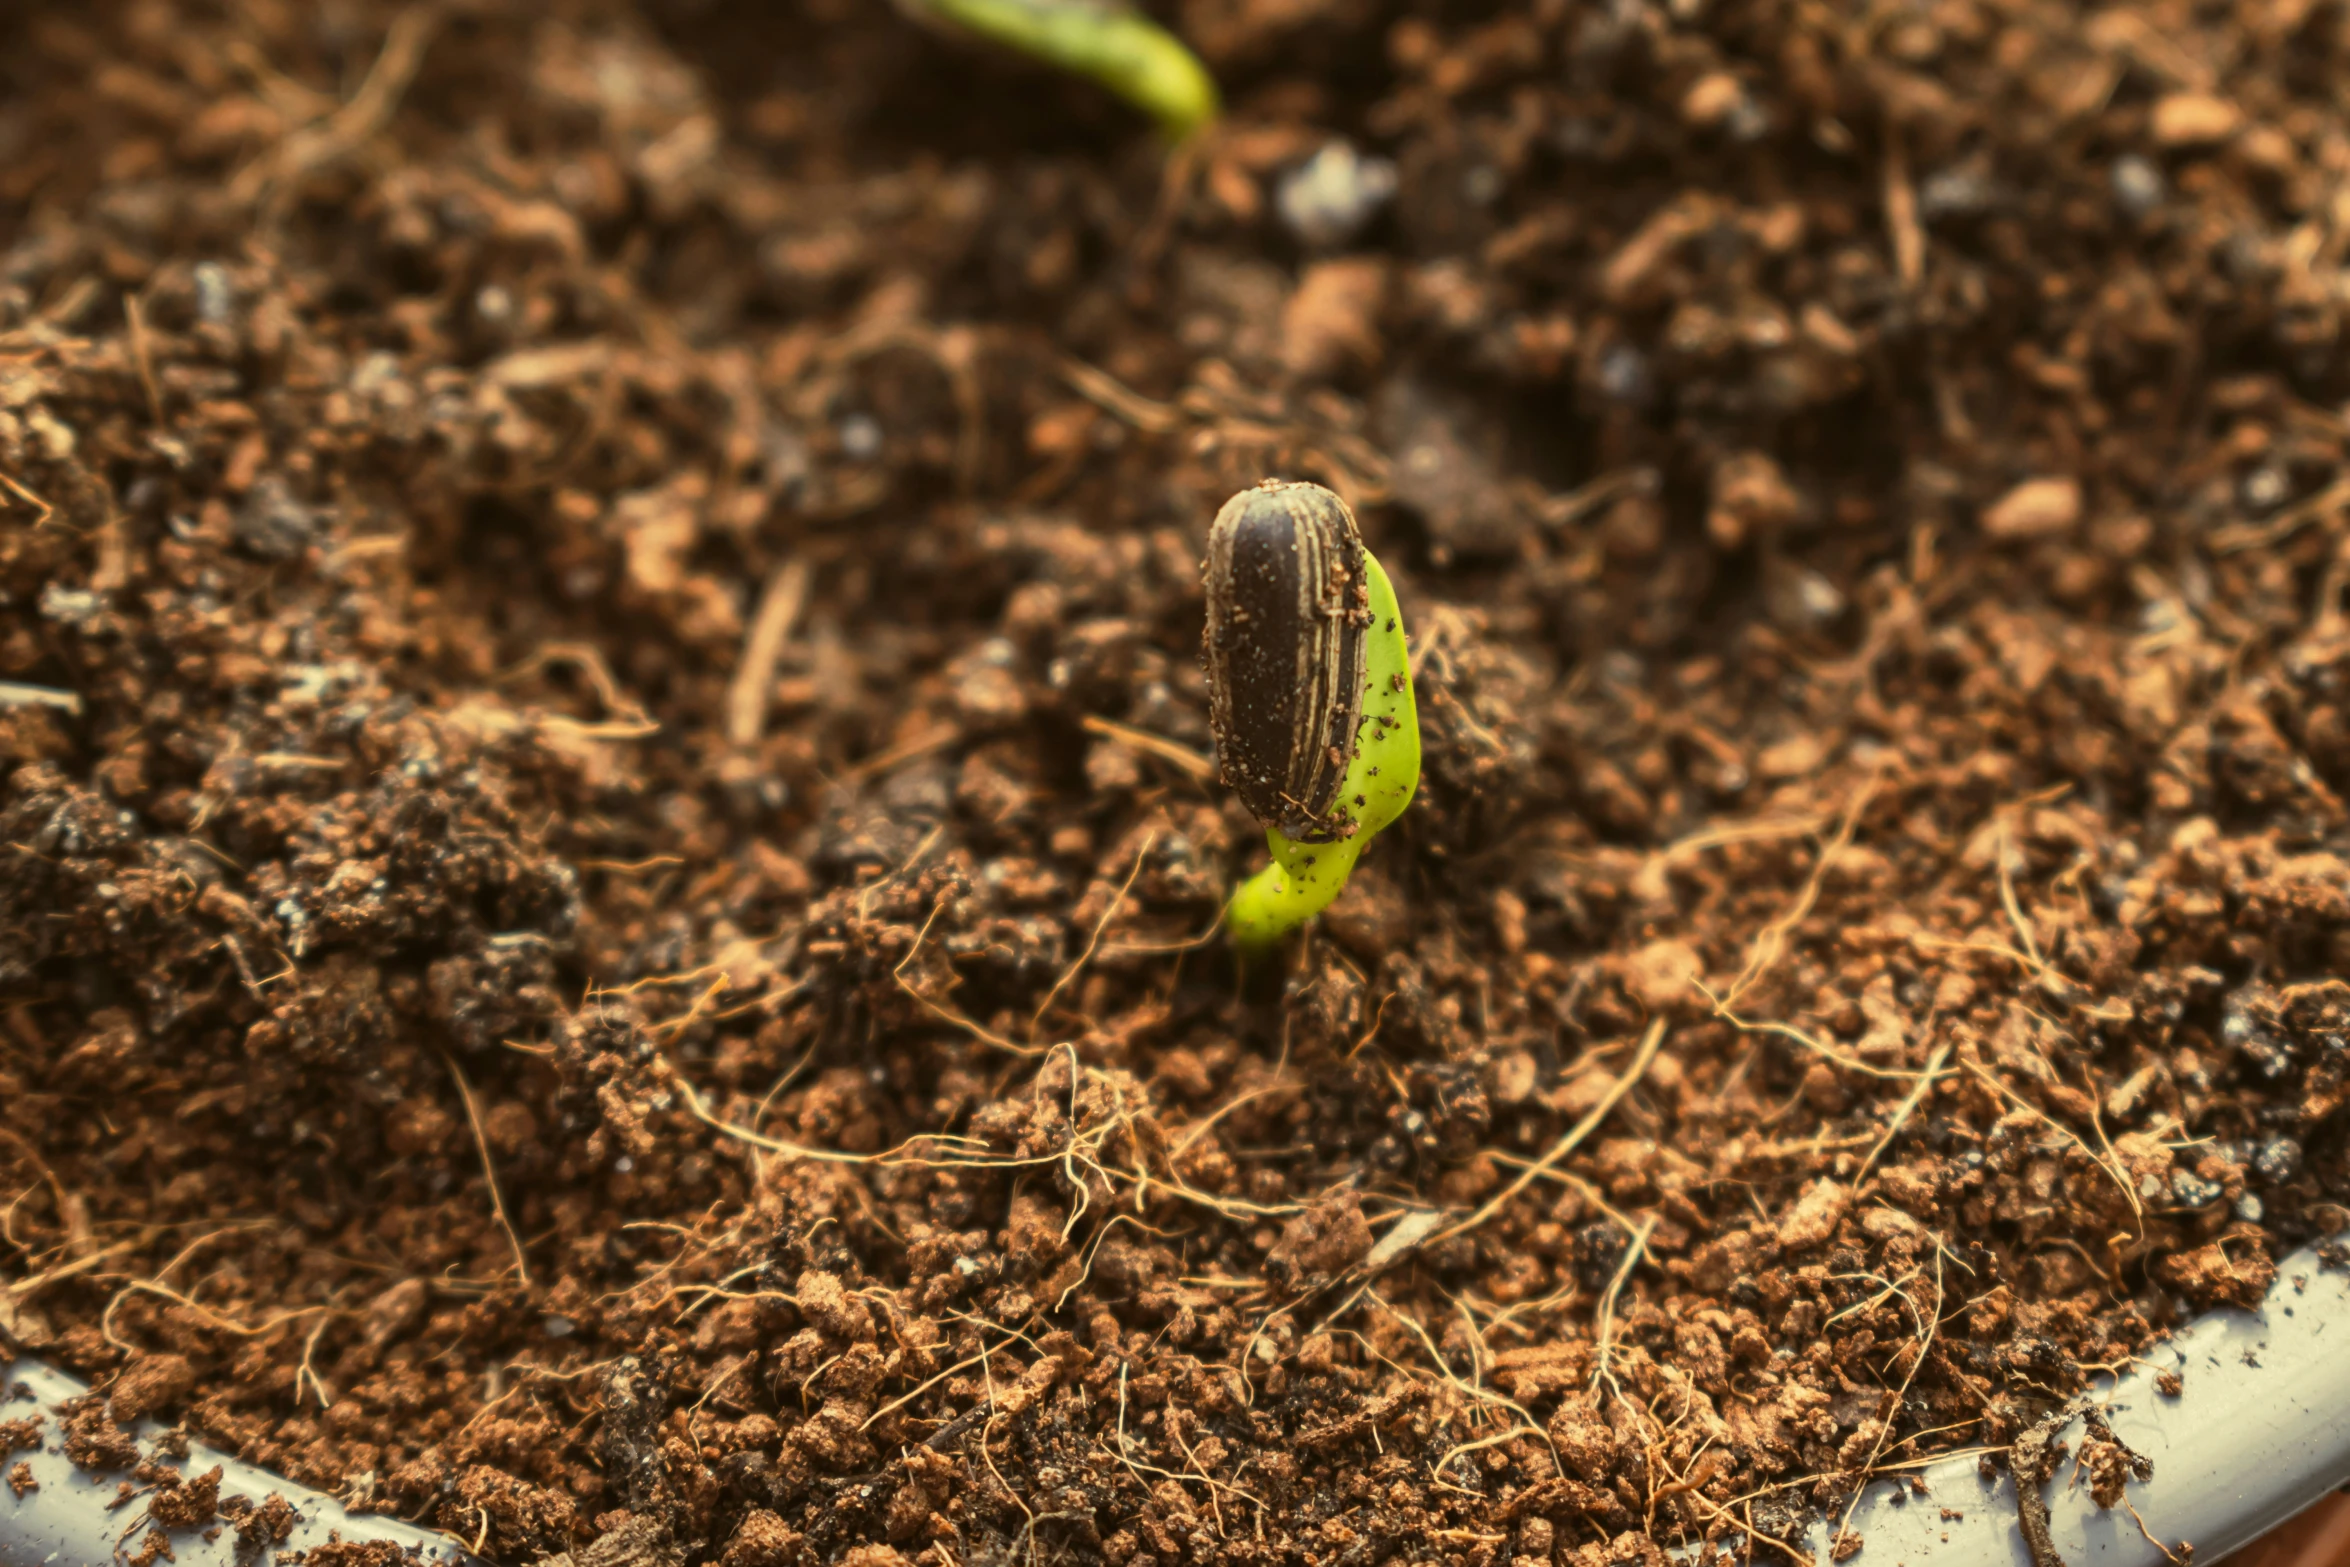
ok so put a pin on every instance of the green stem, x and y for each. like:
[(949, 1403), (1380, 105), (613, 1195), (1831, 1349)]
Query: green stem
[(1117, 46), (1380, 782), (1298, 885)]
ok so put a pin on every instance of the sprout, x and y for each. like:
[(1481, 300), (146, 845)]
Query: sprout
[(1108, 40), (1310, 695)]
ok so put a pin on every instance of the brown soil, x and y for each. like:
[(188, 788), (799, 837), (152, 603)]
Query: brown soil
[(609, 898)]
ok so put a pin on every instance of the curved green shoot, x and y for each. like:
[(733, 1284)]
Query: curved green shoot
[(1115, 45), (1380, 782)]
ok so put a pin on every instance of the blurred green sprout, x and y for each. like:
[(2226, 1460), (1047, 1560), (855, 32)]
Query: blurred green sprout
[(1113, 43)]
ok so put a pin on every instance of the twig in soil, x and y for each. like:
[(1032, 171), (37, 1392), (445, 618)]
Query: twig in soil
[(684, 1020), (780, 605), (1143, 740), (1378, 1017), (349, 127), (943, 1012), (1574, 1136), (2112, 1165), (12, 694), (632, 867), (1559, 511), (1124, 1456), (1722, 836), (1799, 1555), (210, 1318), (895, 1404), (627, 718), (46, 510), (1474, 1391), (306, 1371), (1134, 949), (883, 761), (1927, 1328), (142, 359), (489, 1169), (1770, 944), (2168, 1554), (1093, 942), (73, 1212), (1818, 1047), (1903, 1111), (1568, 1178), (987, 1374), (1607, 1303), (1505, 1318), (2031, 1462), (1479, 1444), (701, 1111), (25, 1288), (2272, 530), (1113, 396), (2009, 901), (1176, 178), (921, 851), (1901, 210)]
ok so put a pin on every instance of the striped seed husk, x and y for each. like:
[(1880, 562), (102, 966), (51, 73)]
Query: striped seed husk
[(1288, 615)]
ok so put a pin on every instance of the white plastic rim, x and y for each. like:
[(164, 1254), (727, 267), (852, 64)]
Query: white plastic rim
[(65, 1520), (2259, 1430)]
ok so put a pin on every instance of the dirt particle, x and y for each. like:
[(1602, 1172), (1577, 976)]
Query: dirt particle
[(189, 1502), (1663, 977), (1330, 1237), (2035, 509), (1330, 324), (149, 1384), (1813, 1219), (2194, 119), (761, 1540), (2211, 1276)]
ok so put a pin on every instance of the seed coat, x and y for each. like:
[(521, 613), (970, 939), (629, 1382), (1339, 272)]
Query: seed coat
[(1289, 614)]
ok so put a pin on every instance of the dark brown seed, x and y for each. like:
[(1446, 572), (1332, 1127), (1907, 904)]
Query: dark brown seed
[(1288, 612)]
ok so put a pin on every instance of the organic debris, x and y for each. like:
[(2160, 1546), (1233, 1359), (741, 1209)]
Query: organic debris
[(609, 927)]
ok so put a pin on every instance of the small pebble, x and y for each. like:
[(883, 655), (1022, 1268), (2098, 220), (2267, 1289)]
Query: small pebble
[(216, 296), (1960, 192), (2190, 1190), (2034, 509), (2265, 488), (1799, 598), (2279, 1159), (272, 523), (77, 607), (860, 437), (2138, 186), (1712, 99), (1624, 375), (1330, 197)]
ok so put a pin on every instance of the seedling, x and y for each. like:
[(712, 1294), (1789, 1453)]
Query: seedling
[(1309, 693), (1107, 40)]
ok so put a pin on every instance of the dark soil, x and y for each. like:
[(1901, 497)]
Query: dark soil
[(608, 914)]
